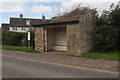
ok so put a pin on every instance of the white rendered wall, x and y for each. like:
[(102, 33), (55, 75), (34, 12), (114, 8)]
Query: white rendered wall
[(56, 39), (50, 38), (60, 36), (19, 29)]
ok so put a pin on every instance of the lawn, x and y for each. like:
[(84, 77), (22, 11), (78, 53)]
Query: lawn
[(113, 55), (17, 48)]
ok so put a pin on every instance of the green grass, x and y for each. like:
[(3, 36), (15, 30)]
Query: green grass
[(0, 46), (17, 48), (112, 55)]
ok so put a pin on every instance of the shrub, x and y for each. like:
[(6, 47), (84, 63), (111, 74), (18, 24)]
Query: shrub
[(16, 38), (106, 37)]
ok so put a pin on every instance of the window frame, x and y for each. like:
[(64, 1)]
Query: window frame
[(14, 28), (23, 28)]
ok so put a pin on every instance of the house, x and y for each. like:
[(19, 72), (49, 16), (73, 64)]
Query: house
[(5, 26), (71, 33), (20, 24)]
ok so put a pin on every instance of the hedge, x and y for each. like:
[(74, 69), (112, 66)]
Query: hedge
[(16, 38)]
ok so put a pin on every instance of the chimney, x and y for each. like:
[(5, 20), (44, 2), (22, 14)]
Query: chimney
[(43, 17), (21, 16)]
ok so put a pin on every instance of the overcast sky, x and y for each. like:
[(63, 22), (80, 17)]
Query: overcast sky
[(35, 8)]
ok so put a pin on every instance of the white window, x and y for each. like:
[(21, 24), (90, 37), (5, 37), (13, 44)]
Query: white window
[(14, 28), (23, 28)]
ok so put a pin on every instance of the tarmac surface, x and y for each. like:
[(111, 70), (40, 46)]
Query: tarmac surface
[(108, 65), (18, 67)]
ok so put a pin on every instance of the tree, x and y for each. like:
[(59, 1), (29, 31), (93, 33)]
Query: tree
[(107, 30), (106, 37), (115, 16)]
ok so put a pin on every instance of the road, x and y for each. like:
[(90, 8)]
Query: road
[(14, 67)]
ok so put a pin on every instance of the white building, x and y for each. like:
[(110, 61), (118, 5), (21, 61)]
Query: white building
[(20, 24)]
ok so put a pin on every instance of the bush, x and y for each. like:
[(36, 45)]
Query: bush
[(107, 31), (16, 38), (106, 37)]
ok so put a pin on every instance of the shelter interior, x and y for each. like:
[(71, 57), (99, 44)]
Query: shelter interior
[(55, 38)]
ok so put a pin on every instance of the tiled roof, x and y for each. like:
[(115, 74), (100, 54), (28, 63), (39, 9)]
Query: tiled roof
[(5, 26)]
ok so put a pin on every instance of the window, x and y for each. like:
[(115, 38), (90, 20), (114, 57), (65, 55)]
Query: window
[(23, 28), (14, 28)]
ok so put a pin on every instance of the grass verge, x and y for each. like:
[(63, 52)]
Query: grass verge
[(17, 48), (111, 55)]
